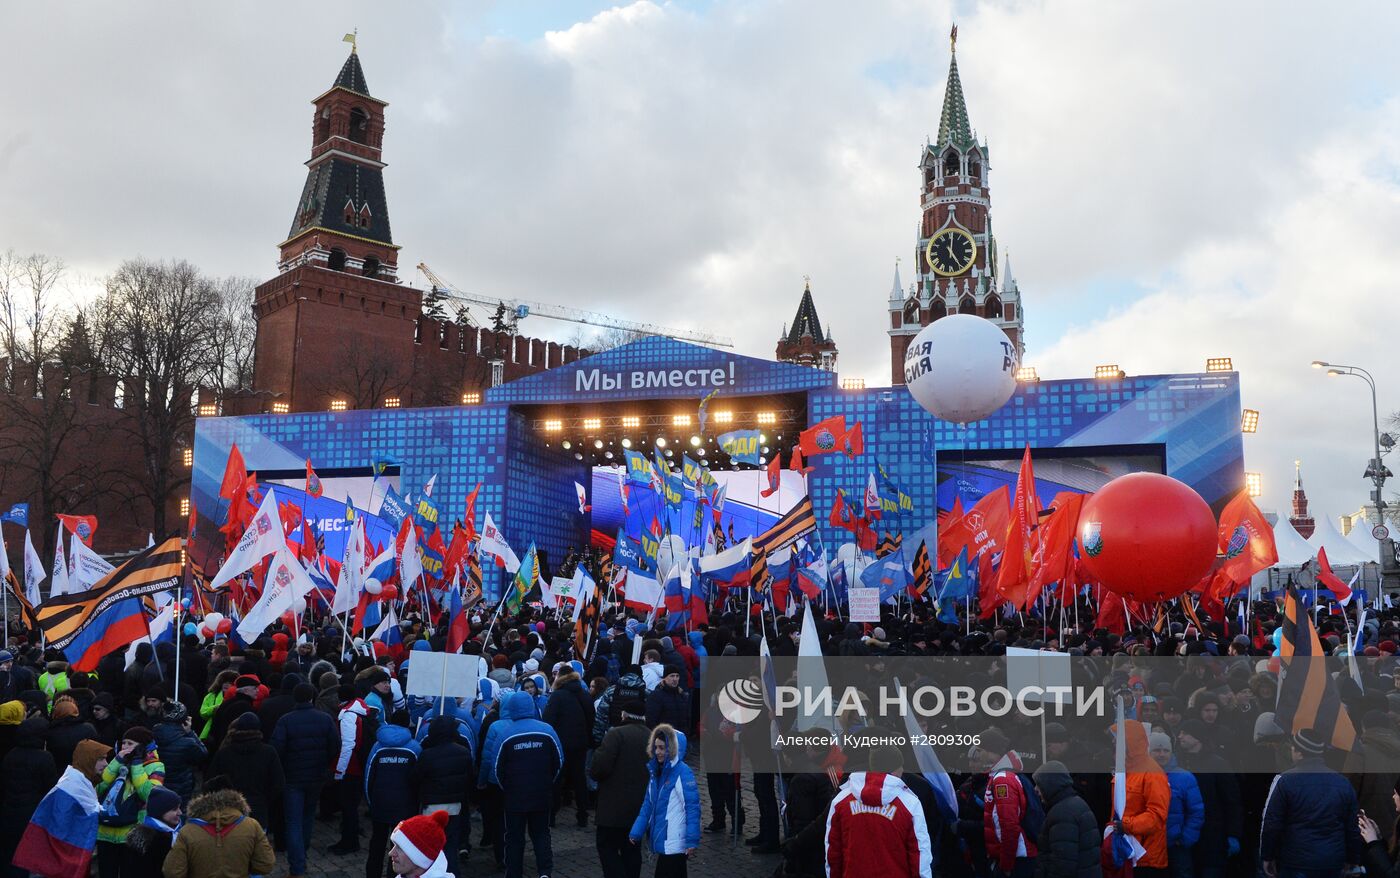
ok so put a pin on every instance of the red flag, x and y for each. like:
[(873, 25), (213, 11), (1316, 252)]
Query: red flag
[(194, 518), (1014, 579), (841, 514), (83, 525), (1112, 613), (775, 475), (982, 529), (1055, 560), (313, 481), (866, 537), (798, 465), (1246, 540), (823, 437), (944, 518), (234, 473), (854, 442), (470, 521), (1330, 580)]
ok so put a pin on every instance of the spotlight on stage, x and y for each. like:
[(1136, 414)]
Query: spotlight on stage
[(626, 443), (592, 423), (1254, 484), (553, 425), (1027, 375), (701, 452), (578, 456), (695, 441), (631, 421), (598, 443), (339, 405), (471, 397), (767, 417), (680, 421), (1108, 372), (567, 444), (725, 417), (1219, 364), (1249, 421), (660, 441), (280, 408)]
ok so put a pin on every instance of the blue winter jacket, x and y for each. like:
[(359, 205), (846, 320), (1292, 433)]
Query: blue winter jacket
[(1188, 811), (390, 788), (468, 729), (670, 815), (697, 643), (521, 755), (1310, 819)]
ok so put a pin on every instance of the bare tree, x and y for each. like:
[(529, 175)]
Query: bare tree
[(157, 326), (365, 376), (235, 334), (51, 446)]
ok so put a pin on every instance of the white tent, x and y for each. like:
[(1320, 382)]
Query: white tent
[(1340, 552), (1361, 538), (1293, 550)]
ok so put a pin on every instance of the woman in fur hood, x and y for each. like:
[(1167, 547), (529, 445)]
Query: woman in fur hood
[(220, 840)]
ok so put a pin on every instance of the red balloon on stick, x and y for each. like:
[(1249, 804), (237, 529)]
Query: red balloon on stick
[(389, 593), (1147, 536), (225, 626)]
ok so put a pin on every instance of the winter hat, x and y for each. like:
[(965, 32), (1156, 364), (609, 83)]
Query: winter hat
[(175, 712), (246, 722), (246, 680), (140, 734), (1159, 741), (1309, 742), (304, 693), (421, 838), (64, 709), (577, 667), (162, 799), (1266, 726), (1056, 733), (6, 656), (994, 741)]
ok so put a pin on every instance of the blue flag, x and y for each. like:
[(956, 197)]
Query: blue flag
[(394, 509), (18, 514), (959, 581), (742, 446), (379, 462), (888, 575)]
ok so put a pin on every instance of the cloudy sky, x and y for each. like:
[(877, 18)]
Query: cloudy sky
[(1172, 180)]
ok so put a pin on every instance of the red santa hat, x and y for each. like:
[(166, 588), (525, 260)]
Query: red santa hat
[(422, 838)]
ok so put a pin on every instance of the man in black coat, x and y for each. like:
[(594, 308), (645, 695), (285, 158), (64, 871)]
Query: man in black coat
[(1223, 829), (569, 712), (308, 742), (251, 766), (444, 774), (239, 702), (620, 768), (1310, 815), (668, 702), (1070, 840), (26, 775)]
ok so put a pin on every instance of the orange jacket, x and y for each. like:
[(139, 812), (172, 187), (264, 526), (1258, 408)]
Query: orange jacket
[(1148, 798)]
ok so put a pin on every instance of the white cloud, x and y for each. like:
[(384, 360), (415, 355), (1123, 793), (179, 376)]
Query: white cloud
[(689, 163)]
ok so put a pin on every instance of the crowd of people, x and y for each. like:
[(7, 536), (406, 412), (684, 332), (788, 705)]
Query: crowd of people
[(215, 769)]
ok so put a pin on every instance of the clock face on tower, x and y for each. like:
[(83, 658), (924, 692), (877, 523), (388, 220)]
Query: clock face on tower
[(951, 252)]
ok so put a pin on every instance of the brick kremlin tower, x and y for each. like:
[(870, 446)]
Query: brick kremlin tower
[(1302, 522), (805, 343), (956, 254)]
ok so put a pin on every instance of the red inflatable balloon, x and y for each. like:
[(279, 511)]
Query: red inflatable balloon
[(389, 593), (225, 626), (1147, 536)]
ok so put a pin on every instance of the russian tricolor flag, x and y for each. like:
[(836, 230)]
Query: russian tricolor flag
[(62, 834), (730, 567)]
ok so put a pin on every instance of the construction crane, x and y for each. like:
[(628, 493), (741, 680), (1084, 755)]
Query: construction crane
[(520, 309)]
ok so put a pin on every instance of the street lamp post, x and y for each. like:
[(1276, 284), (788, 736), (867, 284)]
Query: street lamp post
[(1377, 469)]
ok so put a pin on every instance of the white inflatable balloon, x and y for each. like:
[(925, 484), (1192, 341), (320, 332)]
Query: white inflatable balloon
[(373, 586), (672, 549), (961, 368)]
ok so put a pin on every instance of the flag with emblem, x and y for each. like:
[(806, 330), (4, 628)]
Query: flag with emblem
[(313, 481), (823, 437), (81, 526), (525, 579), (1245, 539)]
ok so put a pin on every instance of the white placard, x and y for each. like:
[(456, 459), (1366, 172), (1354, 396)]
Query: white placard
[(435, 674), (864, 604), (1026, 668)]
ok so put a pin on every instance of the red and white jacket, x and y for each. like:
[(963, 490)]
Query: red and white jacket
[(876, 827), (1003, 806)]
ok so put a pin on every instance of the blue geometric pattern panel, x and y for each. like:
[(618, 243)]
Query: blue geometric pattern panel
[(656, 367), (542, 505), (1195, 417)]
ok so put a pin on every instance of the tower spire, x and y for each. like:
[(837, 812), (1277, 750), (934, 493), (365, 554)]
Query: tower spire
[(953, 126)]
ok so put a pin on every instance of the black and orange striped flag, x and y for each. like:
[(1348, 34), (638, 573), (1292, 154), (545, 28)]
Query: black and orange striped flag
[(889, 545), (587, 624), (796, 522), (1307, 696), (759, 579), (923, 571)]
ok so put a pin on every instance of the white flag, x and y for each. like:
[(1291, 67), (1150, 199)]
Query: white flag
[(584, 589), (352, 567), (263, 537), (4, 557), (428, 488), (493, 543), (85, 567), (582, 498), (285, 581), (58, 583), (33, 571), (410, 561), (388, 623)]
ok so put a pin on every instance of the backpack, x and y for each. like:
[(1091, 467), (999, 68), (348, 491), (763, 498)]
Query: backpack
[(1033, 818)]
